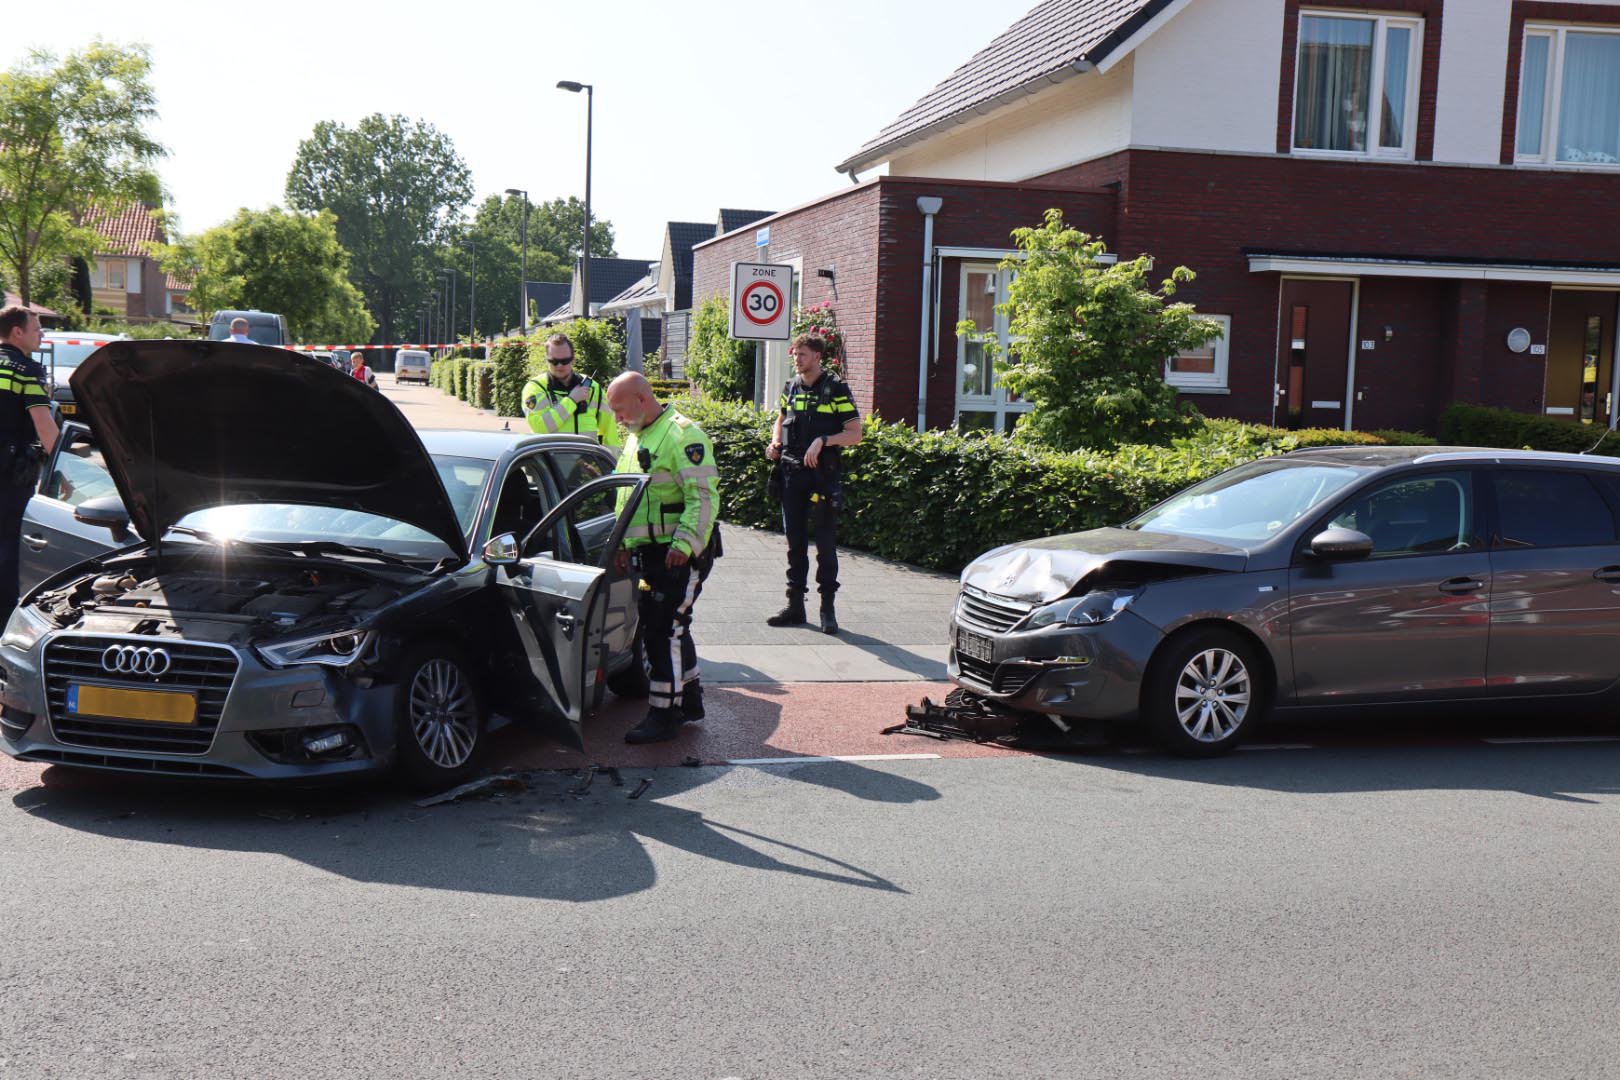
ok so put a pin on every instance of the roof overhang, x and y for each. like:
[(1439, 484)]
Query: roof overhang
[(630, 303), (1373, 266)]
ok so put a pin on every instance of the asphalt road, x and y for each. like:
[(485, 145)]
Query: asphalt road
[(1350, 911)]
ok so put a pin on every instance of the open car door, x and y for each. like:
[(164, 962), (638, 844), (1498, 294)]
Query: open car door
[(561, 591)]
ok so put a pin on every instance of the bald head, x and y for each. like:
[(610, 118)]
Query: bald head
[(630, 396)]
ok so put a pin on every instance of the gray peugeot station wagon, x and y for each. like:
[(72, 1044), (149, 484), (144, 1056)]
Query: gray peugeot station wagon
[(1332, 577), (292, 583)]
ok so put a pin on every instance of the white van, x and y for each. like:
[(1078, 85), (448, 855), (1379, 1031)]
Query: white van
[(411, 365)]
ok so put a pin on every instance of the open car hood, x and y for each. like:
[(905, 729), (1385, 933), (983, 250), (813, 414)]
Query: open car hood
[(186, 425), (1040, 571)]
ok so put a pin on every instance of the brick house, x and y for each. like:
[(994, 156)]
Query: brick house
[(1389, 207), (124, 274)]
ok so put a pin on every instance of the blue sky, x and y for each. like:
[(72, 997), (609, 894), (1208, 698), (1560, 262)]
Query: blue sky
[(698, 104)]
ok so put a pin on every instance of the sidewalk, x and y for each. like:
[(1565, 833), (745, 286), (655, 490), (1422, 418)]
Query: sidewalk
[(892, 617)]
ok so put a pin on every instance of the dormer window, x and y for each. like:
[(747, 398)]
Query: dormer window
[(1356, 85), (1569, 97)]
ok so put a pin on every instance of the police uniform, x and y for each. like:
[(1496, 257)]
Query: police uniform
[(22, 387), (679, 509), (812, 498), (549, 408)]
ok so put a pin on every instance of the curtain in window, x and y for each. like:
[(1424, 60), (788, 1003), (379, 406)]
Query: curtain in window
[(1533, 93), (1397, 72), (1589, 120), (1333, 83)]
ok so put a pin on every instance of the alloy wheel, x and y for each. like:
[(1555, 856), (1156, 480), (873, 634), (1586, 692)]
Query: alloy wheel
[(1213, 694), (444, 713)]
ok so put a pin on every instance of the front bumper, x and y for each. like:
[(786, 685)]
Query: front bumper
[(1090, 672), (244, 730)]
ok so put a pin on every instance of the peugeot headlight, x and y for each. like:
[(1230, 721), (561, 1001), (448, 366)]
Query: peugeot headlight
[(333, 649), (1087, 610), (24, 628)]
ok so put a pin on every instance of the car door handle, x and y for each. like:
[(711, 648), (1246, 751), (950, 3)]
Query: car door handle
[(1608, 573), (567, 622), (36, 541), (1461, 585)]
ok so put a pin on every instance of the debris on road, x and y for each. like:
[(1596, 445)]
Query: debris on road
[(691, 762), (498, 784), (585, 785), (967, 716), (641, 787)]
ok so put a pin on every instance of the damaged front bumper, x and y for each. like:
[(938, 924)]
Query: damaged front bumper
[(1085, 672)]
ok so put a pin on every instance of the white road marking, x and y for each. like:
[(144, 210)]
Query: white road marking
[(1556, 739), (839, 757)]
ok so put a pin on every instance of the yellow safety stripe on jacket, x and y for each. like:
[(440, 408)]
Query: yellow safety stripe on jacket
[(681, 502), (564, 414)]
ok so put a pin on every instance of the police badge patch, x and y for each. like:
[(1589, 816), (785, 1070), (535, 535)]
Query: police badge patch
[(529, 403), (644, 457), (694, 453)]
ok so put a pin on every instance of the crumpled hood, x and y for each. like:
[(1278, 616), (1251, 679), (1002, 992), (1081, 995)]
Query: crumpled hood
[(186, 425), (1040, 571)]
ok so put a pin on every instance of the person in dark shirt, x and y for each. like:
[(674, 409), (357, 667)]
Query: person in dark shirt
[(27, 433), (815, 419)]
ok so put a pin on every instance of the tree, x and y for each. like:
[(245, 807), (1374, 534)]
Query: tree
[(1090, 341), (72, 136), (718, 365), (274, 260), (397, 187)]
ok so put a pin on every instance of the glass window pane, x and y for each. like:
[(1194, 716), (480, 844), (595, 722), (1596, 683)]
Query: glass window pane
[(976, 421), (1397, 72), (1332, 84), (1533, 93), (1589, 112), (1197, 362), (979, 299), (977, 370), (1551, 509), (1414, 517)]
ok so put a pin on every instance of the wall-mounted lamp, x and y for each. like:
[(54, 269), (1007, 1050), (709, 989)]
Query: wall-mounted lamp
[(1389, 333)]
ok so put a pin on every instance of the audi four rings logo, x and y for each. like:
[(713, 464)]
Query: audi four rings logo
[(135, 660)]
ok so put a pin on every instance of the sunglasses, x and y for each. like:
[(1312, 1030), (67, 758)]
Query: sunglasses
[(564, 362)]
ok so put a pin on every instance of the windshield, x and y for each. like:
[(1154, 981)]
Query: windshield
[(464, 480), (66, 357), (1249, 503), (267, 333)]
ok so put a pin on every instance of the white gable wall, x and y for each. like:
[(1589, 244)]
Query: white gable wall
[(1207, 79)]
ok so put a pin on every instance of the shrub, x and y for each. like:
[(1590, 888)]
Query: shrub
[(1393, 437), (598, 348), (458, 378), (483, 384), (511, 362), (1478, 425), (717, 365)]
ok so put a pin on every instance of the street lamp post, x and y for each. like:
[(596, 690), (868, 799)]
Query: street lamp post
[(585, 248), (451, 310), (471, 245), (522, 285)]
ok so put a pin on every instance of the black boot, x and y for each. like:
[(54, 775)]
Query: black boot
[(692, 702), (660, 725), (829, 618), (792, 615)]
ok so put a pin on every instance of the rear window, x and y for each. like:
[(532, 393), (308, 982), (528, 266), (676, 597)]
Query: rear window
[(1540, 508), (413, 359), (265, 333)]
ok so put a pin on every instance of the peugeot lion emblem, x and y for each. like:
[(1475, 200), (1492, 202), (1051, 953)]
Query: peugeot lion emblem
[(135, 660)]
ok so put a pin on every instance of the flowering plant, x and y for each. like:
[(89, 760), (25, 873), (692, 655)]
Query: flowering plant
[(818, 320)]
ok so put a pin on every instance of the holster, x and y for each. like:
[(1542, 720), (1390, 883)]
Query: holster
[(19, 465)]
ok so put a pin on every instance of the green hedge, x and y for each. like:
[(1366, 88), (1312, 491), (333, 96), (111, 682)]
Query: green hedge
[(511, 363), (1477, 425), (483, 384), (940, 499)]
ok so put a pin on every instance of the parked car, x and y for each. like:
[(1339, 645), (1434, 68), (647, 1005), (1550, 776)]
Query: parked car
[(1361, 577), (264, 327), (411, 365), (329, 359), (61, 352), (249, 606)]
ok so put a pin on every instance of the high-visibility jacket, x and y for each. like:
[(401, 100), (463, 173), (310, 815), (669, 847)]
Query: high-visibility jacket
[(550, 409), (682, 499)]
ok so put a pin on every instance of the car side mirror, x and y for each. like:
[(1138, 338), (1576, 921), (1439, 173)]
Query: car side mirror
[(1341, 544), (502, 550), (107, 512)]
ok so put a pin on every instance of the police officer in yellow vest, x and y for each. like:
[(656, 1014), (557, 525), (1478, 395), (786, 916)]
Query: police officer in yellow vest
[(566, 401), (673, 540)]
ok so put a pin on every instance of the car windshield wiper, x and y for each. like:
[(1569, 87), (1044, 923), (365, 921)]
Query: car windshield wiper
[(224, 541), (338, 547)]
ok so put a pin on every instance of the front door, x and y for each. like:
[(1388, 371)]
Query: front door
[(52, 538), (566, 611), (1580, 355), (1409, 622), (1314, 352)]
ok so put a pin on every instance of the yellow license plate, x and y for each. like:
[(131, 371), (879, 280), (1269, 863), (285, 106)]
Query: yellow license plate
[(151, 706), (70, 410)]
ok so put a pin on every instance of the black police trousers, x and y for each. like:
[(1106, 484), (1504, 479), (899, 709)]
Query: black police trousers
[(665, 608), (808, 508), (13, 501)]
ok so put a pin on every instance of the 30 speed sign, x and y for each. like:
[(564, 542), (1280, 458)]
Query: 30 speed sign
[(761, 298)]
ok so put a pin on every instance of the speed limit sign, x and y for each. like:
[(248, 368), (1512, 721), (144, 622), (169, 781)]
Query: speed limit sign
[(761, 301)]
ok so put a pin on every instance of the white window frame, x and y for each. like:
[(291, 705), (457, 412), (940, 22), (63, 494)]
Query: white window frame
[(132, 276), (123, 274), (1553, 97), (1375, 113), (1216, 382), (997, 403)]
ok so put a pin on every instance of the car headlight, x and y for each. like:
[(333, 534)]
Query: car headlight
[(333, 649), (1087, 610), (24, 628)]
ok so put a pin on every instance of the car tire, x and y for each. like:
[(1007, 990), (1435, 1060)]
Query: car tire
[(631, 681), (439, 718), (1204, 692)]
